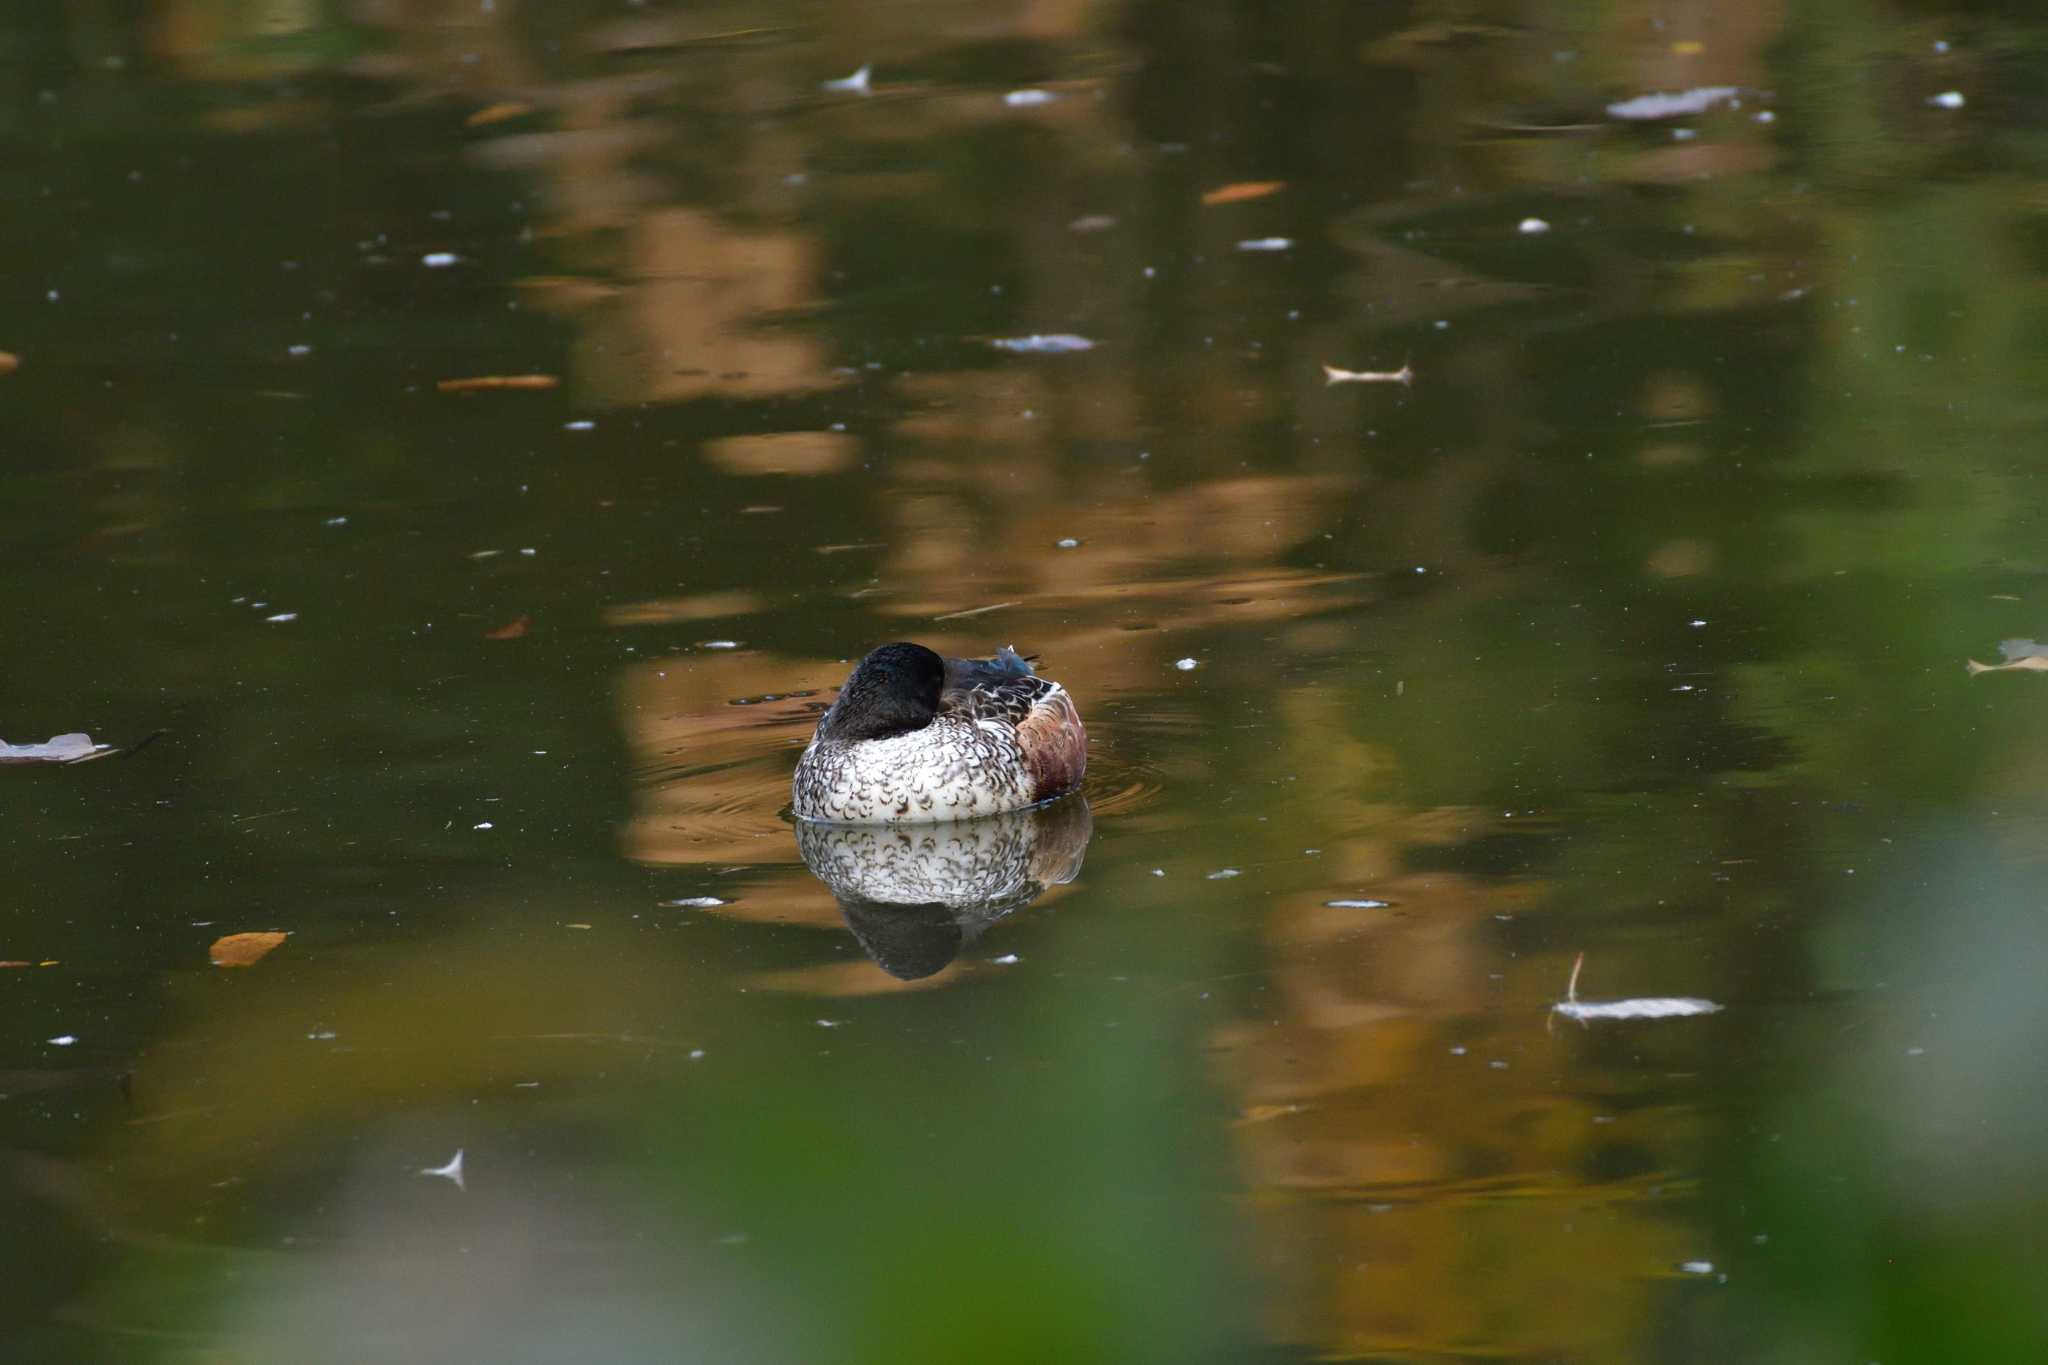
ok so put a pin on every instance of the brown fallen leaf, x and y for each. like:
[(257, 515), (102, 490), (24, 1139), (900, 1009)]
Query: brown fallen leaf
[(511, 630), (483, 382), (1243, 190), (245, 950), (1333, 375), (17, 964), (9, 362), (497, 113)]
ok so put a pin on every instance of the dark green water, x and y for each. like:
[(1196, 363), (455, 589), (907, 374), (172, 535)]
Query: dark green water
[(1636, 627)]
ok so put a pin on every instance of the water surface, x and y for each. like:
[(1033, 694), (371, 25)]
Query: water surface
[(469, 444)]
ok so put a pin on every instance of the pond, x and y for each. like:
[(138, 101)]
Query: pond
[(1553, 880)]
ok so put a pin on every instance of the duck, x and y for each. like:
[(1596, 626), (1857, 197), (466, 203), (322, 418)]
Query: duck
[(916, 738)]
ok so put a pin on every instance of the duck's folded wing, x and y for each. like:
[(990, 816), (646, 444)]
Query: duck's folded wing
[(1009, 699)]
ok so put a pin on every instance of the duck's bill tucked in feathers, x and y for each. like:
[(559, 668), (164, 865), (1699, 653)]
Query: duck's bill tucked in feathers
[(915, 737)]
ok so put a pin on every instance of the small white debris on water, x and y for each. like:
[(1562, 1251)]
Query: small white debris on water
[(1067, 543), (57, 749), (439, 260), (696, 1054), (1696, 101), (481, 824), (1947, 99), (1647, 1007), (1359, 904), (1458, 1050), (1941, 44), (585, 425), (1684, 134), (64, 1040), (1187, 665), (282, 617), (1697, 622), (335, 521), (1697, 1267), (1764, 116), (1006, 960), (721, 644), (695, 903), (856, 84), (830, 1023), (1265, 244), (300, 350), (1532, 227), (321, 1036), (1224, 874), (1029, 99), (1159, 872), (452, 1171), (1049, 343), (528, 551)]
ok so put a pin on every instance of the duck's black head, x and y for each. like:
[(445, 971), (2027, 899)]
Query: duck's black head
[(893, 691)]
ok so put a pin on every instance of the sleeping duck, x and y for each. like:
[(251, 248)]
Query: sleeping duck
[(916, 738)]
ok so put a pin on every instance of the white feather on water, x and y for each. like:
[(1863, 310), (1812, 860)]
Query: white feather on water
[(1640, 1007), (1647, 1007)]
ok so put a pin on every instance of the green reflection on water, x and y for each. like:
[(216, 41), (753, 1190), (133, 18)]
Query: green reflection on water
[(1636, 627)]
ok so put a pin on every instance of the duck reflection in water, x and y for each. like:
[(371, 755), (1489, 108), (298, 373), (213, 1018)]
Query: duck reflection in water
[(916, 895)]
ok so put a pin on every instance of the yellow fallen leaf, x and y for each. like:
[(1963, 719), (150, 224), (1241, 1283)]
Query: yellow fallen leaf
[(1266, 1113), (9, 362), (1243, 190), (497, 113), (245, 950), (1688, 47)]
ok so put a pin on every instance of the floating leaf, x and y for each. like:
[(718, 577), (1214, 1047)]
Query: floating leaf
[(451, 1172), (860, 82), (484, 382), (9, 362), (511, 630), (245, 950), (1332, 375), (1242, 190), (1054, 343), (497, 113), (2026, 655), (1655, 106)]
